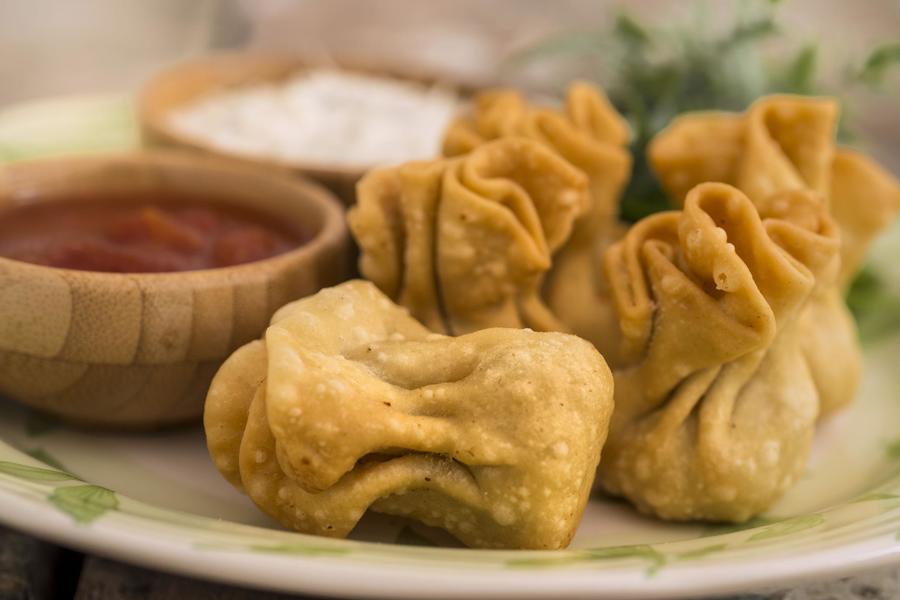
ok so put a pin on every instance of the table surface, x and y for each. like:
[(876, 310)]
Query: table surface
[(34, 570)]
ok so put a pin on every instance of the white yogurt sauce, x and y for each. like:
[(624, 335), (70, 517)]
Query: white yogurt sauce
[(323, 117)]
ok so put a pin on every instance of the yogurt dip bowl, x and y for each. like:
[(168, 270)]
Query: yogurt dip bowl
[(421, 106)]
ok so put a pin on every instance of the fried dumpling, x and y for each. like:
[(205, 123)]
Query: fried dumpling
[(349, 404), (864, 201), (785, 143), (495, 114), (781, 143), (589, 133), (465, 243), (715, 404)]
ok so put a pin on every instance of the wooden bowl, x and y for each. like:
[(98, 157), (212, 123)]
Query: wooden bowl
[(189, 81), (139, 350)]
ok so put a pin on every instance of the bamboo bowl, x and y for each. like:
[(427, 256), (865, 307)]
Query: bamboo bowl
[(191, 80), (139, 350)]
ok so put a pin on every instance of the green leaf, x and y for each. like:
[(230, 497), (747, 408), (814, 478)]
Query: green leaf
[(725, 529), (632, 551), (298, 549), (875, 496), (653, 557), (893, 450), (630, 31), (879, 62), (799, 77), (652, 73), (702, 552), (788, 527), (745, 33), (84, 503), (33, 473), (874, 305), (865, 286), (46, 458), (642, 198), (410, 537), (641, 551), (546, 561)]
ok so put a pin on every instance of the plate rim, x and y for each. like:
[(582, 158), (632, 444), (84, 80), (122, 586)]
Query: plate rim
[(334, 578), (138, 539), (150, 546)]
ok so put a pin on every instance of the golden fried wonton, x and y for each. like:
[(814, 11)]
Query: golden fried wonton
[(782, 144), (465, 243), (589, 133), (715, 402), (349, 404)]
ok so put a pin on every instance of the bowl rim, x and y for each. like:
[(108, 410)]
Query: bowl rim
[(333, 229), (155, 128)]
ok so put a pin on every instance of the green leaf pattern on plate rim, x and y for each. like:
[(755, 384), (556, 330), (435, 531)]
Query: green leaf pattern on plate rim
[(788, 527), (33, 473), (86, 504)]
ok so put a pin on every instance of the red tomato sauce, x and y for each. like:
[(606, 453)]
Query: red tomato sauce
[(140, 235)]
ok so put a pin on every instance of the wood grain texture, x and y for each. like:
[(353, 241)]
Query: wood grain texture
[(139, 350), (106, 580), (26, 567), (188, 81)]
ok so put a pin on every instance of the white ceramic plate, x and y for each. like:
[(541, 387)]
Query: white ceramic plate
[(156, 500)]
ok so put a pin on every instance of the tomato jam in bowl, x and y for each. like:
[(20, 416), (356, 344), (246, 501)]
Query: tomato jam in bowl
[(126, 280), (141, 235)]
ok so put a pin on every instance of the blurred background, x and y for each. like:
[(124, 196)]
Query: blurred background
[(57, 47)]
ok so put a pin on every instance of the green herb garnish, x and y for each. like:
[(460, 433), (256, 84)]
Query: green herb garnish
[(875, 306), (654, 73)]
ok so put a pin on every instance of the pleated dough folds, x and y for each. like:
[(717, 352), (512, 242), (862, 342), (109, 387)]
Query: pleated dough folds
[(465, 243), (349, 404), (715, 404), (782, 144), (589, 133)]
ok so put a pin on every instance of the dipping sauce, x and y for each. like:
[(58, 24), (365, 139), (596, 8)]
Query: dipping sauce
[(140, 235), (323, 116)]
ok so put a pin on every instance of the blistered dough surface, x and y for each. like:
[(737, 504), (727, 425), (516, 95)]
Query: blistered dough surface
[(494, 436), (715, 404)]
